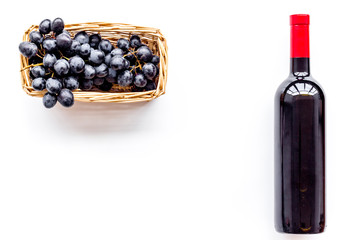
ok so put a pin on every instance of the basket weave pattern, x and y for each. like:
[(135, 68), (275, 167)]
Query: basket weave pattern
[(111, 31)]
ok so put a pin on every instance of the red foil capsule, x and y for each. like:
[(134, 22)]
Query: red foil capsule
[(299, 46)]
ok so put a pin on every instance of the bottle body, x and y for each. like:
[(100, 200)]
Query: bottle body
[(300, 153)]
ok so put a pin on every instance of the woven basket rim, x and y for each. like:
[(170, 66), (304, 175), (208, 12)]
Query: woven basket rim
[(109, 31)]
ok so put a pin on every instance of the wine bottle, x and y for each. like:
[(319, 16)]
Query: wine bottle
[(300, 141)]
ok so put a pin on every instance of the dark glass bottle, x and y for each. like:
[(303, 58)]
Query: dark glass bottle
[(300, 142)]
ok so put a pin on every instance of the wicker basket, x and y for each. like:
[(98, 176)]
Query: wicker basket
[(111, 31)]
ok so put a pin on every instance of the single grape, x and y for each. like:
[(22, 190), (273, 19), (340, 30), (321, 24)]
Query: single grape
[(57, 25), (125, 78), (101, 70), (85, 50), (105, 46), (50, 45), (117, 52), (155, 60), (108, 59), (89, 72), (71, 82), (49, 100), (36, 37), (39, 84), (66, 97), (140, 80), (75, 47), (144, 54), (98, 81), (123, 44), (96, 57), (118, 63), (82, 37), (61, 67), (86, 84), (106, 86), (63, 41), (53, 85), (45, 26), (112, 75), (149, 70), (28, 49), (135, 41), (151, 85), (77, 64), (49, 60), (94, 40), (38, 71)]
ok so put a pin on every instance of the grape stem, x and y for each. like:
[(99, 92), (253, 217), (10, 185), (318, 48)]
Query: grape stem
[(32, 65)]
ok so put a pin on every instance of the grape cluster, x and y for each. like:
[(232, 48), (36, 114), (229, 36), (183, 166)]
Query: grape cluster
[(61, 63)]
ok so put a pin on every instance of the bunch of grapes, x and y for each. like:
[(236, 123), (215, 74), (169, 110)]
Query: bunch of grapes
[(61, 63)]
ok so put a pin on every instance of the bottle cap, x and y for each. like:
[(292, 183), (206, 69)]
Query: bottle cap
[(300, 19)]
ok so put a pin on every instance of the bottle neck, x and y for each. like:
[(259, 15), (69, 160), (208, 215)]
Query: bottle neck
[(300, 50), (300, 67)]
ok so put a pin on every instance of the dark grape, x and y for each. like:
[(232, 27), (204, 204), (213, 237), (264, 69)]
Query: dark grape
[(45, 26), (135, 41), (57, 25), (38, 71), (89, 72), (94, 40), (117, 52), (53, 85), (123, 44), (63, 41), (82, 37), (112, 75), (49, 60), (108, 59), (36, 37), (77, 64), (155, 60), (106, 86), (140, 80), (66, 98), (50, 45), (96, 57), (86, 84), (118, 63), (125, 78), (98, 81), (49, 100), (61, 67), (28, 49), (71, 83), (144, 54), (101, 70), (150, 86), (85, 50), (105, 46), (39, 84), (75, 47), (149, 70)]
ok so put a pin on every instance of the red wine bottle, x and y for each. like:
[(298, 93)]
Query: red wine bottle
[(300, 141)]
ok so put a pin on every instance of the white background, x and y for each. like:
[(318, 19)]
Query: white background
[(196, 163)]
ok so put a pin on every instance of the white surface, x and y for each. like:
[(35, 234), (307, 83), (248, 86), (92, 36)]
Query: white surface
[(197, 163)]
